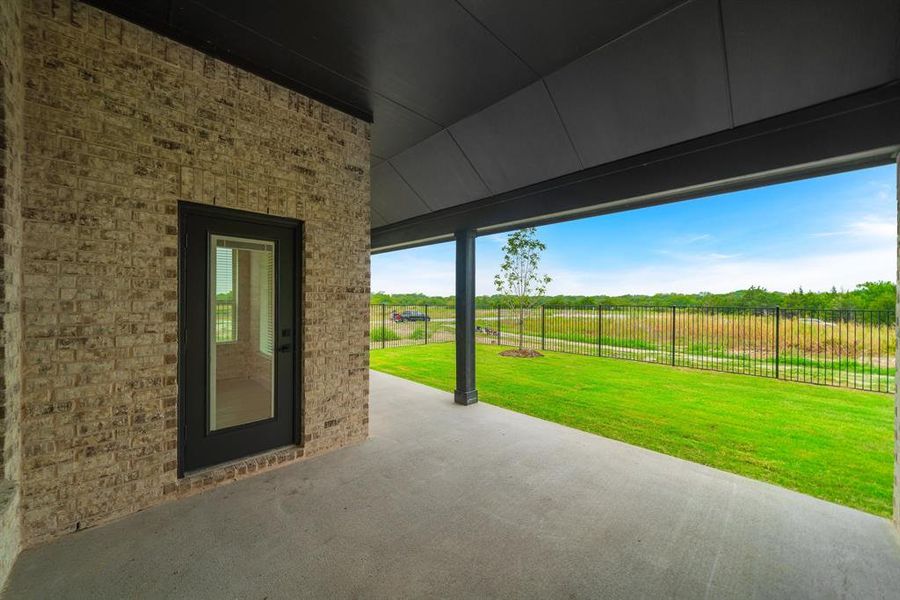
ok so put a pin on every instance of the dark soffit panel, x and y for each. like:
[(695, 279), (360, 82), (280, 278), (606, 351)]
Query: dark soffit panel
[(268, 60), (392, 198), (155, 10), (439, 172), (431, 57), (659, 85), (548, 34), (396, 128), (517, 141), (786, 55), (846, 133), (376, 219), (236, 39)]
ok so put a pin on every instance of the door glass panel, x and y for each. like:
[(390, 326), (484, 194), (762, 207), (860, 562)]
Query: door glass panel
[(242, 327)]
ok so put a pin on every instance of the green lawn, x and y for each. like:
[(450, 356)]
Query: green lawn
[(832, 443)]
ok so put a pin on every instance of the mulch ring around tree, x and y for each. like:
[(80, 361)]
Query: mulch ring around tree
[(517, 353)]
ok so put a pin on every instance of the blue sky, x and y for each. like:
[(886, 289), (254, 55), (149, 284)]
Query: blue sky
[(836, 230)]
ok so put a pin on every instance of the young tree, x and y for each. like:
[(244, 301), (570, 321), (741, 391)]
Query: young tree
[(518, 280)]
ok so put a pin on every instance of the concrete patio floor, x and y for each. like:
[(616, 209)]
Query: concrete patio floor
[(453, 501)]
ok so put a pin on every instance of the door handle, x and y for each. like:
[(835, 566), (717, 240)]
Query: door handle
[(284, 348)]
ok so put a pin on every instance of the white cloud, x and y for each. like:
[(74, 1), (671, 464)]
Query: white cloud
[(497, 238), (860, 248), (699, 256), (868, 228), (812, 272), (693, 238), (708, 272)]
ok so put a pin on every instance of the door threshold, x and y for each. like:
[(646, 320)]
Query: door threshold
[(212, 469)]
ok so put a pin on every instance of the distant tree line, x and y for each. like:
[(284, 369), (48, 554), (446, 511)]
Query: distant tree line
[(872, 295)]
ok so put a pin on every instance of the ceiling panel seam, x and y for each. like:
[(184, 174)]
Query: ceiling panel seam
[(563, 123), (897, 51), (275, 42), (407, 184), (469, 160), (240, 25), (727, 70), (446, 126), (675, 6), (404, 107), (634, 29), (499, 40), (375, 210), (316, 63)]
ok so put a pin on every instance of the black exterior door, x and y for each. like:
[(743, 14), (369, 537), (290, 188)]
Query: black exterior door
[(238, 334)]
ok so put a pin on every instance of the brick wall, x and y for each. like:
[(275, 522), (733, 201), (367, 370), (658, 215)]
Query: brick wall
[(11, 149), (12, 146), (120, 124)]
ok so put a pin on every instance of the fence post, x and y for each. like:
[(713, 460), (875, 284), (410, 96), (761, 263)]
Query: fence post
[(543, 345), (599, 330), (673, 336), (426, 323), (498, 326), (777, 337), (383, 330)]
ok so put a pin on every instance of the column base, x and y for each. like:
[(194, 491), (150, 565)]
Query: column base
[(465, 398)]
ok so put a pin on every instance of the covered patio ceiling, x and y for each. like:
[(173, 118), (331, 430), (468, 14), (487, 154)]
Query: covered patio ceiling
[(492, 113), (445, 501)]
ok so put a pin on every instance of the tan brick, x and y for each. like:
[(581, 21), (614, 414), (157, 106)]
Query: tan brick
[(120, 124)]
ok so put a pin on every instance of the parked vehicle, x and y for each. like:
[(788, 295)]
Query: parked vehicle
[(409, 315)]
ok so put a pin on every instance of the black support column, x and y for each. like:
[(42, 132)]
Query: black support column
[(465, 318), (897, 366)]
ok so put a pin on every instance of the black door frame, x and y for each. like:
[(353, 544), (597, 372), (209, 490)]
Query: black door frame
[(191, 209)]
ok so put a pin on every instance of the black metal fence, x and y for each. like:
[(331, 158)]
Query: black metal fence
[(405, 325), (845, 348)]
